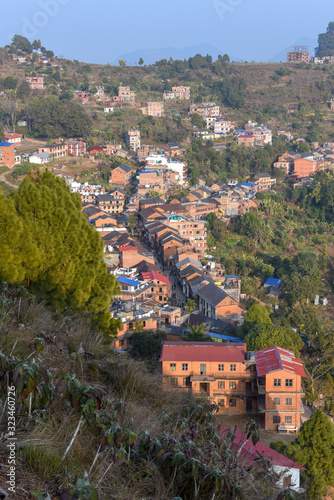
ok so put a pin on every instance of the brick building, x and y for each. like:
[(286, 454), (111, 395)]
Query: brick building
[(7, 154), (155, 108), (132, 138), (76, 148), (57, 150), (179, 92), (264, 181), (35, 82), (121, 175), (304, 167), (110, 203), (206, 109), (267, 382), (299, 54), (247, 140), (13, 138)]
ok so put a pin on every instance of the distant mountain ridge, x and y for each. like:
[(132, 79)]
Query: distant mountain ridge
[(150, 56)]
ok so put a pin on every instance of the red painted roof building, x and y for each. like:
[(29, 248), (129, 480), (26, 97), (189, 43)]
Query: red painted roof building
[(287, 470), (267, 382)]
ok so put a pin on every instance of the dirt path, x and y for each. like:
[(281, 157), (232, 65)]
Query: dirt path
[(3, 178)]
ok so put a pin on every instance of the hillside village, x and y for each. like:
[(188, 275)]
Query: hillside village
[(198, 250)]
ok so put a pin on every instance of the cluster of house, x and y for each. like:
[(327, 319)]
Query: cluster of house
[(216, 125), (178, 92), (254, 135), (300, 166)]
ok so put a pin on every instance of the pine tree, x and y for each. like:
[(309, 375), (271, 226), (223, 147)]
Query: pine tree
[(314, 449), (57, 253)]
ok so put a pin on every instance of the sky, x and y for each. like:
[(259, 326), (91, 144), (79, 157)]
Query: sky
[(103, 30)]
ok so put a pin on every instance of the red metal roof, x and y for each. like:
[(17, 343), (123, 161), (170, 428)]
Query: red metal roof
[(251, 452), (275, 358), (153, 275), (127, 248), (203, 352)]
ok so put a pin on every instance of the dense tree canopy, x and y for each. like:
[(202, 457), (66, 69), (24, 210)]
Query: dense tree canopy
[(53, 118), (262, 336), (326, 42), (314, 449), (50, 246)]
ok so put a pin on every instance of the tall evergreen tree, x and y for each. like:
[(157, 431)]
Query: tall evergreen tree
[(314, 449), (57, 252)]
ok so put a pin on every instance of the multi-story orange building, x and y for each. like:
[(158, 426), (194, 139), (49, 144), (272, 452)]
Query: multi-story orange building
[(279, 376), (7, 154), (304, 167), (267, 382)]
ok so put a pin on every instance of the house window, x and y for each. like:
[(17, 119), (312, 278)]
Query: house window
[(173, 382), (276, 419), (221, 385), (277, 401), (202, 369), (288, 401), (277, 382), (288, 419), (221, 402), (232, 403), (287, 481), (220, 368), (288, 382), (172, 367), (160, 298), (233, 368), (233, 385), (184, 367)]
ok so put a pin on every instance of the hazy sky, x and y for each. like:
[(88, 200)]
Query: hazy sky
[(101, 30)]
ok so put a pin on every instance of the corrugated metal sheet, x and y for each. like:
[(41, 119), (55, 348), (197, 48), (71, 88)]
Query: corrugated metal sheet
[(251, 453), (275, 358), (203, 352)]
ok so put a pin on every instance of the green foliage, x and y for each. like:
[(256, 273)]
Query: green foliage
[(23, 90), (53, 118), (301, 278), (318, 198), (146, 345), (197, 120), (258, 314), (82, 490), (50, 246), (262, 336), (10, 83), (21, 43), (326, 42), (314, 449), (196, 334)]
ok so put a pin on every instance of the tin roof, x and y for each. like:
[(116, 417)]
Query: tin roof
[(275, 358), (251, 452), (203, 352), (153, 275), (128, 281)]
